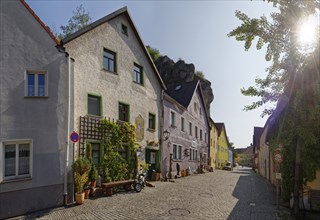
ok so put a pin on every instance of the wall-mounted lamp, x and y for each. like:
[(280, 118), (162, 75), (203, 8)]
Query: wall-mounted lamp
[(166, 135)]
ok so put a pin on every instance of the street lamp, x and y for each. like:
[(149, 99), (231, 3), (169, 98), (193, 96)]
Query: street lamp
[(166, 134)]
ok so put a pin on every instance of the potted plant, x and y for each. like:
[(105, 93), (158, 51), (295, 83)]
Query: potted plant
[(156, 174), (93, 175), (81, 168), (86, 190)]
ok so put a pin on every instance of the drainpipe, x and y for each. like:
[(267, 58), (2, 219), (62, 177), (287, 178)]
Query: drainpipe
[(65, 186)]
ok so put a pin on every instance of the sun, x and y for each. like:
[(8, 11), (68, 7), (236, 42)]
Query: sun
[(307, 31)]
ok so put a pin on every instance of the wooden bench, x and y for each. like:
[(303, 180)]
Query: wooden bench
[(126, 184), (314, 197)]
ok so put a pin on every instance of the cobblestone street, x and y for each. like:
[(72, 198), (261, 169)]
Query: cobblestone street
[(237, 194)]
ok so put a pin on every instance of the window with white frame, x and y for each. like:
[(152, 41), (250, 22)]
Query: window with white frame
[(36, 84), (172, 119), (200, 134), (182, 124), (196, 131), (177, 152), (190, 128), (17, 159), (193, 154)]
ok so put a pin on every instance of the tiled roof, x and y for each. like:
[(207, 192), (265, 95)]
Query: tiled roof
[(220, 127), (183, 92), (40, 22), (257, 132)]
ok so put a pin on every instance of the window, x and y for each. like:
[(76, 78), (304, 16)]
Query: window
[(137, 74), (95, 153), (172, 118), (200, 134), (182, 124), (195, 107), (36, 84), (124, 29), (123, 112), (94, 105), (205, 137), (177, 152), (190, 128), (109, 60), (152, 121), (193, 154), (123, 151), (17, 159), (196, 131)]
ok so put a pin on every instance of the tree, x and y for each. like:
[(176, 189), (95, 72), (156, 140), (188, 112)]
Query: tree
[(79, 20), (199, 74), (293, 81), (154, 53)]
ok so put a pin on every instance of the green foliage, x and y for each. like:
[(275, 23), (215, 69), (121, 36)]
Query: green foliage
[(79, 20), (294, 74), (89, 152), (117, 137), (200, 74), (154, 53), (93, 174), (81, 168), (279, 37)]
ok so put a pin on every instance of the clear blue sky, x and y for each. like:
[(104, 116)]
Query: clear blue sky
[(195, 31)]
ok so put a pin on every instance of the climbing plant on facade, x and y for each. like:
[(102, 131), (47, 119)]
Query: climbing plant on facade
[(118, 138)]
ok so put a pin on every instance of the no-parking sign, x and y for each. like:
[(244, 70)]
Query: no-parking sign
[(74, 137)]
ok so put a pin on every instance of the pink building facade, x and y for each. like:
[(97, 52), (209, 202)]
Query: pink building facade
[(186, 119)]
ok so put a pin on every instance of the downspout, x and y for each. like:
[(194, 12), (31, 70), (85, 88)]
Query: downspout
[(65, 186), (161, 123)]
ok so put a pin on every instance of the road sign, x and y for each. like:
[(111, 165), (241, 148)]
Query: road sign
[(278, 176), (74, 137), (277, 156), (276, 168)]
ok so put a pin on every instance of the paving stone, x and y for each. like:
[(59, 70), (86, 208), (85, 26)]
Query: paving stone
[(239, 194)]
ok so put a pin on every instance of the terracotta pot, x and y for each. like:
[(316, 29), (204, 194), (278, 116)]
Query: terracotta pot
[(79, 198), (155, 177), (93, 184), (86, 193)]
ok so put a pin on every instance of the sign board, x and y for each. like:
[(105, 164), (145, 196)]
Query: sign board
[(278, 176), (74, 137), (276, 168), (277, 156)]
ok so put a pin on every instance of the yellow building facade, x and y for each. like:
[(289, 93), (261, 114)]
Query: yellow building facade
[(223, 143), (213, 144)]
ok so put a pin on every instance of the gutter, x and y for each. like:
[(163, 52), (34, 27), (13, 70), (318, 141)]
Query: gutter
[(65, 185)]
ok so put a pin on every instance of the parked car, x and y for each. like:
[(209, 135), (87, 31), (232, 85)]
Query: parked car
[(227, 166)]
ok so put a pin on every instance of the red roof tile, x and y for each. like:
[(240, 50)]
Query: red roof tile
[(40, 22)]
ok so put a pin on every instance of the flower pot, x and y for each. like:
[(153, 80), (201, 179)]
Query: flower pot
[(93, 184), (155, 177), (86, 193), (79, 198)]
